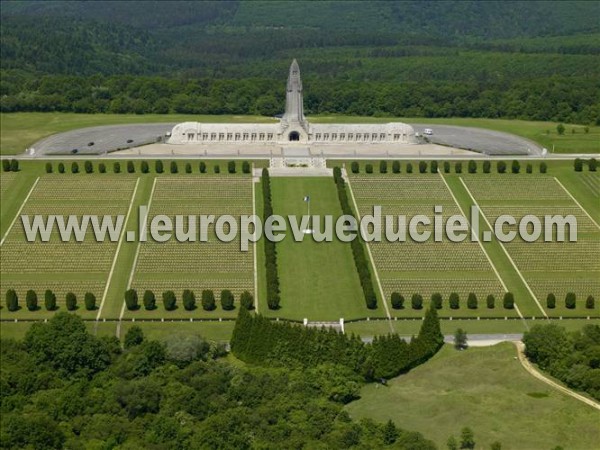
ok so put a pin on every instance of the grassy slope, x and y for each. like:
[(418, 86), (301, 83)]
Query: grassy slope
[(487, 390), (318, 280), (20, 130)]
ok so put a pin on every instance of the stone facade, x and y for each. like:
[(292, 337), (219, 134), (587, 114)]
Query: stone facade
[(293, 127)]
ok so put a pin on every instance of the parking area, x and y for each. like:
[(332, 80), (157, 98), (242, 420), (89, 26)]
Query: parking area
[(99, 140), (479, 140)]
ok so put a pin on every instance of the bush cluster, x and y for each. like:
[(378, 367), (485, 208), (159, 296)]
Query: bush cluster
[(258, 340)]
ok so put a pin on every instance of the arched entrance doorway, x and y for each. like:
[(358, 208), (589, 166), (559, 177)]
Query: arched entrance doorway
[(294, 136)]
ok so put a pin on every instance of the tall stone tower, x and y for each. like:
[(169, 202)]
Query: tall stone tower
[(293, 122)]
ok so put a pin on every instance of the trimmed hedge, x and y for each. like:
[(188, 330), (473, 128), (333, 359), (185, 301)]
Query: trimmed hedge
[(273, 291), (360, 260)]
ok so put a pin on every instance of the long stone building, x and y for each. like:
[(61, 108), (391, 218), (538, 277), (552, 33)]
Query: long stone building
[(292, 128)]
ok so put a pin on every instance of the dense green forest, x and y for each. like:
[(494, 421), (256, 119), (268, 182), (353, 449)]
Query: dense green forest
[(526, 60), (62, 387), (573, 358)]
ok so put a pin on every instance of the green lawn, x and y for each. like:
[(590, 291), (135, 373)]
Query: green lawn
[(318, 280), (487, 390)]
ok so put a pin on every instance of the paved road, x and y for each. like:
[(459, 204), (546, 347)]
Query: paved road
[(480, 140)]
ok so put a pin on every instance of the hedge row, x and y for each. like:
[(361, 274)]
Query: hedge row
[(273, 291), (416, 301), (432, 167), (31, 301), (188, 298), (360, 260), (592, 164), (570, 301), (130, 167), (10, 166), (258, 340)]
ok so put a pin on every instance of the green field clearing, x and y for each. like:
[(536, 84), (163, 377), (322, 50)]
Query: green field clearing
[(318, 280), (487, 390), (20, 130), (214, 331)]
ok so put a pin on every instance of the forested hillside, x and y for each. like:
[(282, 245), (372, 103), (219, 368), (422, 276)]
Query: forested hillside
[(529, 60), (62, 387)]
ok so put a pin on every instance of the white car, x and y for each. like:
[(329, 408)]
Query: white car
[(428, 131)]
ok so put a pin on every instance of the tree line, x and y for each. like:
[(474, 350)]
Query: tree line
[(63, 387), (130, 167), (272, 276), (569, 100), (397, 301), (258, 340), (572, 357), (188, 298), (472, 167), (358, 250)]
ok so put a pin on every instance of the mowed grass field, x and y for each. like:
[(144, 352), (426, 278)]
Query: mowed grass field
[(529, 270), (318, 280), (21, 130), (107, 269), (487, 390)]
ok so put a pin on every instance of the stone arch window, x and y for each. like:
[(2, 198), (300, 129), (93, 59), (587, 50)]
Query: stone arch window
[(342, 136), (253, 137), (396, 137), (270, 136), (318, 137), (382, 137), (213, 136), (245, 137), (334, 136), (261, 137), (221, 136), (204, 136), (229, 136), (350, 136)]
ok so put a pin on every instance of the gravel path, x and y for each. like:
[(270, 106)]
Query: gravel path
[(533, 371)]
